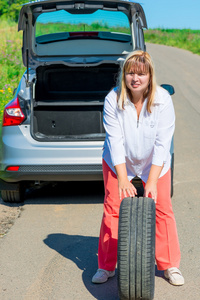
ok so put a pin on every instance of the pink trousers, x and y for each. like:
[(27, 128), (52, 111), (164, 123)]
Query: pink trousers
[(167, 249)]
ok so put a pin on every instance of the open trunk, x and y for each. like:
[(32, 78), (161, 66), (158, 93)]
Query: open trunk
[(68, 102)]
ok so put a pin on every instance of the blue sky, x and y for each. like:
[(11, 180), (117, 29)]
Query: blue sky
[(172, 13), (159, 13)]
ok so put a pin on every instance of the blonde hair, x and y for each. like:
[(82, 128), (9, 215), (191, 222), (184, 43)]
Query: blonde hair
[(138, 61)]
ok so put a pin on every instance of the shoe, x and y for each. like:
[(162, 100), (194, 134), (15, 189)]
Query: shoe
[(102, 276), (174, 275)]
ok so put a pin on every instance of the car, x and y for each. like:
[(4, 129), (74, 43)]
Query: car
[(52, 129)]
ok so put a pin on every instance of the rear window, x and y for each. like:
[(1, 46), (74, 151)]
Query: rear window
[(52, 23)]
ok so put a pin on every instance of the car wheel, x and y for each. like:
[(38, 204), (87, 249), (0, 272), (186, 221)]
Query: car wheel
[(13, 196), (136, 249)]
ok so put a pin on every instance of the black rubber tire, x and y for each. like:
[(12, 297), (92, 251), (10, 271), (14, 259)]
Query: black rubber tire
[(13, 196), (136, 249)]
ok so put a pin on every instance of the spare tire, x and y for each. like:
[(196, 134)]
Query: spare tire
[(136, 249)]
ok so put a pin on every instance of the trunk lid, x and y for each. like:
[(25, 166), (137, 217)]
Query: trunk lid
[(49, 37)]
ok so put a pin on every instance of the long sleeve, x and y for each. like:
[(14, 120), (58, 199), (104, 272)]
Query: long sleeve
[(165, 131), (114, 135)]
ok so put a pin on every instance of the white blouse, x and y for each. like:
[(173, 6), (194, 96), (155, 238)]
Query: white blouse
[(139, 143)]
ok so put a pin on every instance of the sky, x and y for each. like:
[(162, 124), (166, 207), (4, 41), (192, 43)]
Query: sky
[(178, 14)]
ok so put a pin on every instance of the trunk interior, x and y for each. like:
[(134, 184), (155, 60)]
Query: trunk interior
[(68, 102)]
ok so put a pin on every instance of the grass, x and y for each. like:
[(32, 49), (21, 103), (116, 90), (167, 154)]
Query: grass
[(185, 38), (11, 66)]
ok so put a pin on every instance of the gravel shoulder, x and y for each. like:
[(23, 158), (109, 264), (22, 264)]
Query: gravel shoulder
[(8, 214)]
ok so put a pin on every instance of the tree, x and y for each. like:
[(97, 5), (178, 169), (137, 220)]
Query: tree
[(10, 8)]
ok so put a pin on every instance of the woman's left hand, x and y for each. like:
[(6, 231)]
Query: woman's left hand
[(151, 184), (150, 190)]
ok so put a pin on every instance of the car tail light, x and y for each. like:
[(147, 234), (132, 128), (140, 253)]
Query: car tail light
[(13, 114), (13, 168)]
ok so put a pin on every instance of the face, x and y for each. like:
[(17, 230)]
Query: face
[(137, 82)]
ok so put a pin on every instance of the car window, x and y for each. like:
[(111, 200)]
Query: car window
[(51, 26)]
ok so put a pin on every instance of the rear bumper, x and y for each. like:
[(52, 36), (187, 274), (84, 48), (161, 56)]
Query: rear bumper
[(48, 161), (54, 173)]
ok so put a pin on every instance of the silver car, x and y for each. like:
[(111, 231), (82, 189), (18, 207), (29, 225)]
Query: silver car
[(52, 128)]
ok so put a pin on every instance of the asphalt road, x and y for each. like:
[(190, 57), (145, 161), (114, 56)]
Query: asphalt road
[(50, 252)]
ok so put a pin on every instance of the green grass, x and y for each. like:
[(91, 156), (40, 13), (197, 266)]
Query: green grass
[(185, 38), (11, 66)]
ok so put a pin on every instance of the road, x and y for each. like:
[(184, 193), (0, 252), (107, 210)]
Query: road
[(51, 251)]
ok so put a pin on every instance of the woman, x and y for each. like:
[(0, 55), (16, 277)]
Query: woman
[(139, 121)]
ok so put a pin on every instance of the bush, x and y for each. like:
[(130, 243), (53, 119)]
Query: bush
[(10, 9)]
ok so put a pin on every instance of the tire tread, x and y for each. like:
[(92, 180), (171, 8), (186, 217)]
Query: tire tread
[(136, 249)]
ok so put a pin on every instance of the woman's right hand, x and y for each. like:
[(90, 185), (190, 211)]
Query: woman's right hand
[(126, 188)]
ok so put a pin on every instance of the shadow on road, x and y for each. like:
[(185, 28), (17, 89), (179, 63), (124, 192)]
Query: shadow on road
[(82, 251)]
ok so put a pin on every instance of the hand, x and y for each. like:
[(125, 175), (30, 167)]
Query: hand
[(151, 185), (151, 190), (126, 188)]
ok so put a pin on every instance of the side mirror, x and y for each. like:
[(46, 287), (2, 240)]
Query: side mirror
[(169, 88)]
